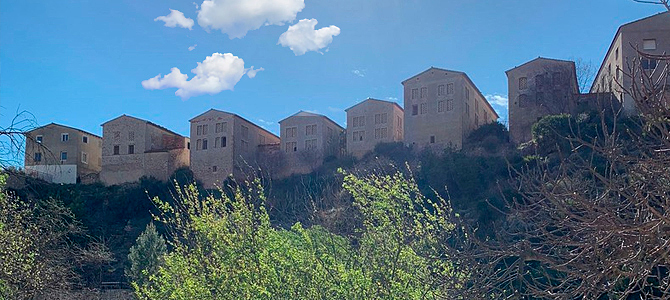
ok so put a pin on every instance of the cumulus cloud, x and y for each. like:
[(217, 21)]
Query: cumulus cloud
[(392, 98), (176, 18), (236, 18), (252, 73), (216, 73), (302, 37), (496, 99), (192, 47), (359, 73)]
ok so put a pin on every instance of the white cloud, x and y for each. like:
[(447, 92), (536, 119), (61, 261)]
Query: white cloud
[(266, 123), (252, 73), (192, 47), (196, 5), (496, 99), (216, 73), (237, 17), (176, 18), (302, 37), (359, 73), (392, 98)]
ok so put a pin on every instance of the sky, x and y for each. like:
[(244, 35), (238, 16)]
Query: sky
[(81, 63)]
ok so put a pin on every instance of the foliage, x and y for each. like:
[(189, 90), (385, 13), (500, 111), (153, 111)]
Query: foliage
[(146, 255)]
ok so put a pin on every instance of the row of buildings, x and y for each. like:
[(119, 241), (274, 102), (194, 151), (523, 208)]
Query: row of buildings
[(440, 108)]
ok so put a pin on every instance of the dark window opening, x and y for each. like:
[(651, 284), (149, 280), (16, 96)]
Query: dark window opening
[(131, 149)]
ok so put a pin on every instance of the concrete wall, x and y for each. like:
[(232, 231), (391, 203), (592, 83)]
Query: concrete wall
[(370, 110), (66, 174)]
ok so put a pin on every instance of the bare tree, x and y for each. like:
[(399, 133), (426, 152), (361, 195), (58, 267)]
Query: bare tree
[(656, 2), (586, 73)]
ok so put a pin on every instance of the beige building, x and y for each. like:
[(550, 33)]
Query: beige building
[(650, 35), (63, 154), (536, 89), (307, 138), (133, 148), (371, 122), (224, 145), (442, 107)]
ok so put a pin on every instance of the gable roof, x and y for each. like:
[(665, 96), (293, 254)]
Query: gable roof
[(303, 113), (69, 127), (618, 31), (234, 115), (539, 58), (372, 99), (145, 121), (431, 69)]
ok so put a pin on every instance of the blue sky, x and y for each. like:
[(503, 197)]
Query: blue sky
[(82, 63)]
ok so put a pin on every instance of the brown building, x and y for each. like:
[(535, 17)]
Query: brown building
[(371, 122), (442, 107), (63, 154), (650, 35), (133, 148), (536, 89), (307, 138), (224, 145)]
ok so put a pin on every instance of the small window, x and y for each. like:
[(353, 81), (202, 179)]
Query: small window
[(131, 135), (117, 135), (424, 108), (450, 89), (415, 109), (38, 157), (223, 142), (649, 44), (523, 83), (217, 129), (198, 144), (467, 94), (450, 105), (616, 55), (217, 141), (198, 130), (39, 139), (432, 139), (131, 149), (467, 109), (204, 129), (84, 157), (204, 144), (245, 132), (310, 129), (440, 106), (188, 145), (214, 169), (648, 64), (84, 139), (116, 149), (63, 155), (65, 137), (424, 92), (441, 90), (415, 93)]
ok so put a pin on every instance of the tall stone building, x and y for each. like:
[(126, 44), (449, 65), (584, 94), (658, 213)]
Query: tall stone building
[(133, 148), (538, 88), (224, 145), (650, 35), (371, 122), (442, 107), (307, 138), (63, 154)]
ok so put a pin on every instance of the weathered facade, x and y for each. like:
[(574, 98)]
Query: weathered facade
[(371, 122), (307, 138), (63, 154), (649, 35), (441, 108), (224, 145), (133, 148), (536, 89)]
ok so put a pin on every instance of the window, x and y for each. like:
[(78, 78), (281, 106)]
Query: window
[(245, 132), (214, 169), (218, 128), (616, 55), (358, 136), (217, 141), (39, 139), (84, 139), (539, 81), (476, 106), (84, 157), (432, 139), (198, 144), (424, 108), (476, 120), (523, 83), (450, 104), (291, 147), (131, 149), (38, 157), (359, 121), (291, 131), (131, 135), (65, 137), (63, 155), (381, 133), (223, 142), (441, 90), (440, 106), (648, 64), (415, 93), (188, 145), (399, 121), (117, 135), (450, 89), (384, 118), (381, 118), (204, 144), (204, 129), (424, 92), (310, 129), (116, 149), (467, 109), (557, 78), (649, 44), (224, 127), (198, 130), (523, 100), (310, 144), (415, 109), (486, 117), (467, 94)]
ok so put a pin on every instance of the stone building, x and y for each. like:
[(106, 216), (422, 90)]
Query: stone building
[(538, 88), (307, 138), (650, 35), (441, 108), (133, 148), (63, 154), (224, 145), (371, 122)]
